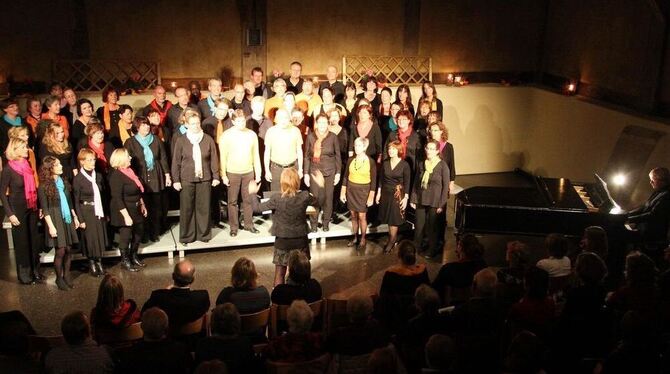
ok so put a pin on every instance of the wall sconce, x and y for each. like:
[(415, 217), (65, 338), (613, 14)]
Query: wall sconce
[(571, 88), (450, 78), (173, 84)]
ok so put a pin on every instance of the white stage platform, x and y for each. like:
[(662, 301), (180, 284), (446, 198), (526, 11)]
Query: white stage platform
[(221, 238)]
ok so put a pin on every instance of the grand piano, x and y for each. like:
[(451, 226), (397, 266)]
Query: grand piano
[(540, 207)]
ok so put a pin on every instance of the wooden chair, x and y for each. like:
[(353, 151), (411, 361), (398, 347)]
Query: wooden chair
[(191, 328), (278, 314), (251, 323), (336, 315), (318, 365), (121, 337), (39, 345), (456, 295)]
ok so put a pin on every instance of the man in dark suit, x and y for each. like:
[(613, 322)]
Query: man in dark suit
[(653, 217), (180, 303)]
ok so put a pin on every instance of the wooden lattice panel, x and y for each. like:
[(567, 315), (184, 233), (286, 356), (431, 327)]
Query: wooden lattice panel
[(96, 75), (396, 69)]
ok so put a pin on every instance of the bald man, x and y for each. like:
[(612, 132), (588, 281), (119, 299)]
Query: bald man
[(179, 301), (160, 104), (334, 84)]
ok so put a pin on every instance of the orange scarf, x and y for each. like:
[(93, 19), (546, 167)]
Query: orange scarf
[(123, 132), (106, 117)]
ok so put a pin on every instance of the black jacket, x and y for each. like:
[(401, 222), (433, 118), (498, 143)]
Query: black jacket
[(653, 218), (182, 305)]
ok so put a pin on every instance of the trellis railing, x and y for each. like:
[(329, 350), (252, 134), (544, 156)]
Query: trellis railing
[(96, 75), (396, 69)]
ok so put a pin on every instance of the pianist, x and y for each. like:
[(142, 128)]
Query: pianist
[(652, 218)]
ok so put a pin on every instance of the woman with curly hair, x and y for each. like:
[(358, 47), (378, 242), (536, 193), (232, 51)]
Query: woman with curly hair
[(60, 217), (55, 144)]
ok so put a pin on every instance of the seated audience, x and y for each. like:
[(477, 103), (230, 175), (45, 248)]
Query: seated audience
[(81, 354), (639, 293), (226, 343), (245, 293), (211, 367), (300, 285), (525, 355), (14, 331), (440, 355), (385, 361), (639, 349), (179, 301), (558, 264), (299, 344), (113, 310), (156, 353), (363, 335), (510, 278), (459, 275), (536, 310), (595, 240)]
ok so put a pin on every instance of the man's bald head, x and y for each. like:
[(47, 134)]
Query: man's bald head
[(184, 273), (484, 283)]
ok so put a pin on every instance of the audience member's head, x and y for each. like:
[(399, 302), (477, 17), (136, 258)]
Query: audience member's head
[(590, 268), (75, 328), (299, 317), (440, 353), (517, 255), (183, 274), (426, 299), (536, 283), (640, 270), (154, 324), (595, 240), (226, 320), (211, 367), (469, 248), (244, 274), (382, 361), (407, 252), (359, 308), (556, 245), (110, 294), (299, 268), (525, 354), (484, 283)]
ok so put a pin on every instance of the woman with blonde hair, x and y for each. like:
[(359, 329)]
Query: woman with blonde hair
[(127, 208), (20, 205), (289, 225), (244, 291), (60, 217), (23, 133), (55, 144)]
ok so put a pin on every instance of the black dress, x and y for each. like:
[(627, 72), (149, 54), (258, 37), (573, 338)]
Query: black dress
[(66, 159), (125, 195), (95, 233), (114, 116), (375, 148), (389, 208), (66, 233)]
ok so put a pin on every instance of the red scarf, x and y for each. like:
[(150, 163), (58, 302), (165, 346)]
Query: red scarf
[(99, 153), (162, 112), (22, 167), (131, 174), (404, 136)]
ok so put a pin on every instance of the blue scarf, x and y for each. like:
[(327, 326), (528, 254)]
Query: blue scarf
[(392, 125), (212, 106), (182, 129), (15, 122), (64, 207), (145, 141)]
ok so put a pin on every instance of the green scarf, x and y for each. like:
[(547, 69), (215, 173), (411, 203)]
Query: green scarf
[(430, 165)]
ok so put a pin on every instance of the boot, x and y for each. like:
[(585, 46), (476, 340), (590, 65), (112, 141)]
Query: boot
[(136, 260), (126, 263), (98, 265), (92, 269)]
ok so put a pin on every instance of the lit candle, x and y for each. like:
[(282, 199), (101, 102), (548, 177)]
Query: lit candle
[(571, 87)]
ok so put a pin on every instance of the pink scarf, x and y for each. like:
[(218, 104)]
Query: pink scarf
[(23, 168), (131, 174)]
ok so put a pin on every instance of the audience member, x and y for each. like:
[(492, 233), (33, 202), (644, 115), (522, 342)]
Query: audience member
[(363, 334), (595, 240), (81, 354), (525, 355), (459, 274), (179, 301), (440, 355), (112, 309), (510, 278), (639, 349), (299, 344), (536, 311), (156, 353), (299, 284), (211, 367), (245, 293), (385, 361), (226, 343), (639, 293), (558, 264)]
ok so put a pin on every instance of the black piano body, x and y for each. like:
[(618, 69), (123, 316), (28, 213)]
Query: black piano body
[(544, 206)]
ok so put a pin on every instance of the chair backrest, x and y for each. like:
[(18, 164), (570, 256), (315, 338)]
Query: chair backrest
[(336, 315), (39, 345), (119, 337), (278, 314), (318, 365), (457, 295), (558, 284), (190, 328), (255, 321)]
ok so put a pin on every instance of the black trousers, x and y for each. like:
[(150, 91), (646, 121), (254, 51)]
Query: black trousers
[(27, 244), (276, 171), (426, 227), (324, 195), (130, 236), (239, 185), (194, 211), (156, 212)]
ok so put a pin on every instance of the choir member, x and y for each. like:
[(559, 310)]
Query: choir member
[(260, 87), (328, 103), (365, 127), (53, 114), (421, 121), (295, 81), (240, 165), (60, 217), (309, 96), (322, 162), (195, 170), (23, 134), (95, 141), (55, 144), (109, 113), (215, 125), (20, 205), (240, 100), (429, 93), (358, 190), (161, 106), (276, 101), (150, 163), (439, 132), (207, 106), (336, 87), (33, 114), (369, 93), (127, 209), (412, 143), (393, 191), (283, 149), (123, 129), (84, 115), (429, 197), (403, 96), (177, 110), (89, 192), (9, 120), (69, 111)]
